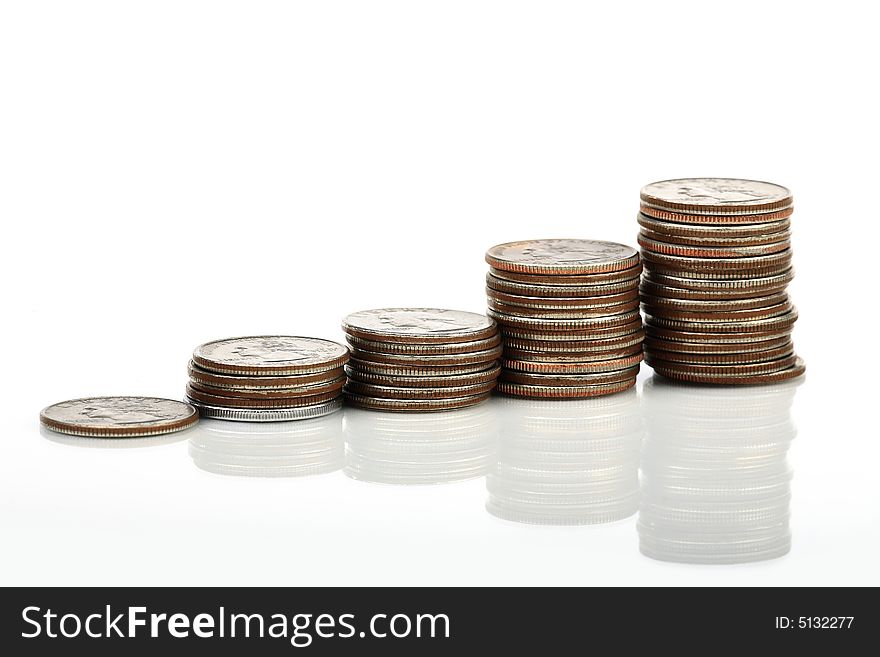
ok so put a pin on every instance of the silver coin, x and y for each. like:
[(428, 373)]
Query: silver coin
[(268, 355), (381, 347), (716, 196), (562, 256), (268, 415), (118, 417), (554, 291), (418, 325)]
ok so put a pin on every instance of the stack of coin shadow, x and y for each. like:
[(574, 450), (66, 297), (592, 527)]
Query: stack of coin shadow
[(716, 484), (717, 260), (420, 359), (267, 378), (567, 463), (568, 310), (414, 448), (286, 449)]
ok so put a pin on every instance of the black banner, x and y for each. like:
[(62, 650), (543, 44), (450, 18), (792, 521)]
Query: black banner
[(113, 621)]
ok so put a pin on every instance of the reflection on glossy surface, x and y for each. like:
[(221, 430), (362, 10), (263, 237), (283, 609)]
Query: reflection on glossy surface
[(715, 477), (269, 449), (420, 448), (567, 462), (116, 443)]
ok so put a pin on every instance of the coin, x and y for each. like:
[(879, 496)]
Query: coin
[(559, 392), (565, 335), (713, 275), (675, 230), (796, 370), (260, 382), (739, 358), (268, 415), (743, 287), (719, 241), (563, 346), (572, 356), (713, 304), (270, 355), (595, 378), (416, 350), (392, 392), (558, 366), (549, 290), (757, 265), (777, 323), (229, 401), (430, 360), (658, 345), (511, 321), (449, 380), (562, 256), (387, 369), (418, 325), (715, 338), (413, 405), (270, 393), (118, 417), (767, 367), (600, 312), (603, 278), (716, 196), (712, 252), (718, 315), (606, 301)]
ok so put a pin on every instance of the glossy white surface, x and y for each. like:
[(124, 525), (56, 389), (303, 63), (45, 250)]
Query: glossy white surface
[(177, 172)]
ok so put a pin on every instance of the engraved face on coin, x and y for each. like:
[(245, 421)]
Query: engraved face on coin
[(118, 416), (716, 195), (270, 354), (562, 256), (418, 325)]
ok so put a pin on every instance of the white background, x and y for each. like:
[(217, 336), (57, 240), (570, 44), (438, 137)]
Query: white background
[(174, 172)]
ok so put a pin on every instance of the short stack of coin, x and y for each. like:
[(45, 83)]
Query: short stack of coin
[(420, 359), (267, 378), (568, 310), (717, 261)]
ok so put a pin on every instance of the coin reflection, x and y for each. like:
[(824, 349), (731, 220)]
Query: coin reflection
[(269, 449), (567, 462), (420, 448), (715, 475)]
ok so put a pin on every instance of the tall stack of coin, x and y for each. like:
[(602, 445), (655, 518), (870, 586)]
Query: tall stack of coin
[(267, 378), (717, 261), (569, 316), (420, 359)]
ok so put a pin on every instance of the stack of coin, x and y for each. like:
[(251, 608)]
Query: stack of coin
[(572, 463), (717, 261), (716, 483), (420, 359), (569, 316), (267, 378)]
